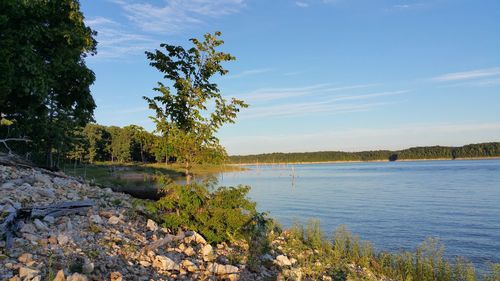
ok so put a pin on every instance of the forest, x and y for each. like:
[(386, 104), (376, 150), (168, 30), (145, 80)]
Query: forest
[(479, 150)]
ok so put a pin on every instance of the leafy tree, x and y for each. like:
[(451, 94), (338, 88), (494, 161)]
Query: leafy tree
[(192, 112), (44, 82)]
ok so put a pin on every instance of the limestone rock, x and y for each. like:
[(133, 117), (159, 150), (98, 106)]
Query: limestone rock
[(152, 225), (116, 276), (27, 273), (113, 220), (283, 260), (165, 263), (60, 276), (77, 277), (220, 269), (207, 253)]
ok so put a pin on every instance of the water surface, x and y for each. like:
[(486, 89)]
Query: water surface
[(396, 205)]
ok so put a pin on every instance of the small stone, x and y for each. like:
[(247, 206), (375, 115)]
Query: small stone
[(165, 263), (77, 277), (207, 253), (116, 276), (145, 263), (25, 258), (189, 266), (189, 251), (96, 219), (49, 219), (88, 267), (62, 239), (113, 220), (222, 269), (28, 228), (192, 236), (283, 260), (60, 276), (27, 273), (152, 225), (40, 225)]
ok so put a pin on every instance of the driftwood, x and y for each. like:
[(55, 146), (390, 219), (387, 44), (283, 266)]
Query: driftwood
[(10, 224)]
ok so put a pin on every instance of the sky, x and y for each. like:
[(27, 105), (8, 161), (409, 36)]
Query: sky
[(319, 75)]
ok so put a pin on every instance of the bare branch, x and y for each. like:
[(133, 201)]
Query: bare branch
[(4, 141)]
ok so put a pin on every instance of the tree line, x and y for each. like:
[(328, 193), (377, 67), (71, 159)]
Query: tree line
[(491, 149)]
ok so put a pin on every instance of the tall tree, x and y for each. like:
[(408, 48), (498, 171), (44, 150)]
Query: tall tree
[(192, 112), (45, 84)]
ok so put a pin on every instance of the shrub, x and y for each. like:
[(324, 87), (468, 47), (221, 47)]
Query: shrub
[(219, 216)]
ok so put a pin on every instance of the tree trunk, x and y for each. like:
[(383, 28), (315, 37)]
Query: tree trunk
[(188, 175)]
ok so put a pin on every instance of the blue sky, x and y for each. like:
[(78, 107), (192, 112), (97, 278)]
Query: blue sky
[(318, 74)]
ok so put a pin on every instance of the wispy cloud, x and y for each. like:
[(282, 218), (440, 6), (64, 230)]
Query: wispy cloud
[(301, 4), (332, 105), (115, 41), (248, 73), (176, 15), (468, 75), (269, 94)]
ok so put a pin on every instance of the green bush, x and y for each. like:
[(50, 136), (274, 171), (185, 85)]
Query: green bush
[(219, 216)]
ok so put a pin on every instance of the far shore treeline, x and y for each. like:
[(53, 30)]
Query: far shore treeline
[(480, 150)]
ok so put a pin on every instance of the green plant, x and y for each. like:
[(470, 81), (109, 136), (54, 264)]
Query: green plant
[(219, 216)]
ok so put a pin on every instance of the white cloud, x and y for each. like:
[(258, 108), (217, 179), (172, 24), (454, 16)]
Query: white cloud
[(468, 75), (333, 105), (301, 4), (269, 94), (248, 73), (114, 41), (176, 15)]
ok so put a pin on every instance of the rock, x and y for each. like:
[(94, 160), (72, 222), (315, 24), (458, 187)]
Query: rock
[(28, 228), (145, 263), (189, 251), (220, 269), (77, 277), (60, 276), (207, 253), (62, 239), (49, 219), (192, 236), (116, 276), (25, 258), (189, 266), (88, 267), (113, 220), (40, 225), (152, 225), (43, 179), (27, 273), (96, 219), (165, 263), (282, 260)]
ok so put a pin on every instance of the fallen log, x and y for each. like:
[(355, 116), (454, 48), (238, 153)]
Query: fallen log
[(10, 225)]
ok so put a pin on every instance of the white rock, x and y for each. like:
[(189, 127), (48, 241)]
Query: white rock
[(113, 220), (96, 219), (282, 260), (152, 225), (77, 277), (189, 251), (207, 253), (25, 258), (27, 273), (189, 266), (222, 269), (62, 239), (40, 225), (165, 263), (49, 219)]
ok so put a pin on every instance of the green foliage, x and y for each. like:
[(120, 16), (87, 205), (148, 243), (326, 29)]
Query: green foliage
[(494, 274), (430, 152), (191, 111), (221, 215), (44, 82)]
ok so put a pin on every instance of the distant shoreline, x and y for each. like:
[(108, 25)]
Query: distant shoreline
[(356, 161)]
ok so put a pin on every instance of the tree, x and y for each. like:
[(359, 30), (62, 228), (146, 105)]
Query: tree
[(44, 82), (191, 113)]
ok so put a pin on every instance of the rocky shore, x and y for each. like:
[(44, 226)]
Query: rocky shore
[(113, 240)]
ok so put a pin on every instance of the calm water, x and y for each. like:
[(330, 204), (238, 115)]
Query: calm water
[(396, 205)]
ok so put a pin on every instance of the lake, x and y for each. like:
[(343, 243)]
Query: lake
[(395, 205)]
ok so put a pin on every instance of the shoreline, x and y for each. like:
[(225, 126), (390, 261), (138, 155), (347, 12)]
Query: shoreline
[(360, 161)]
